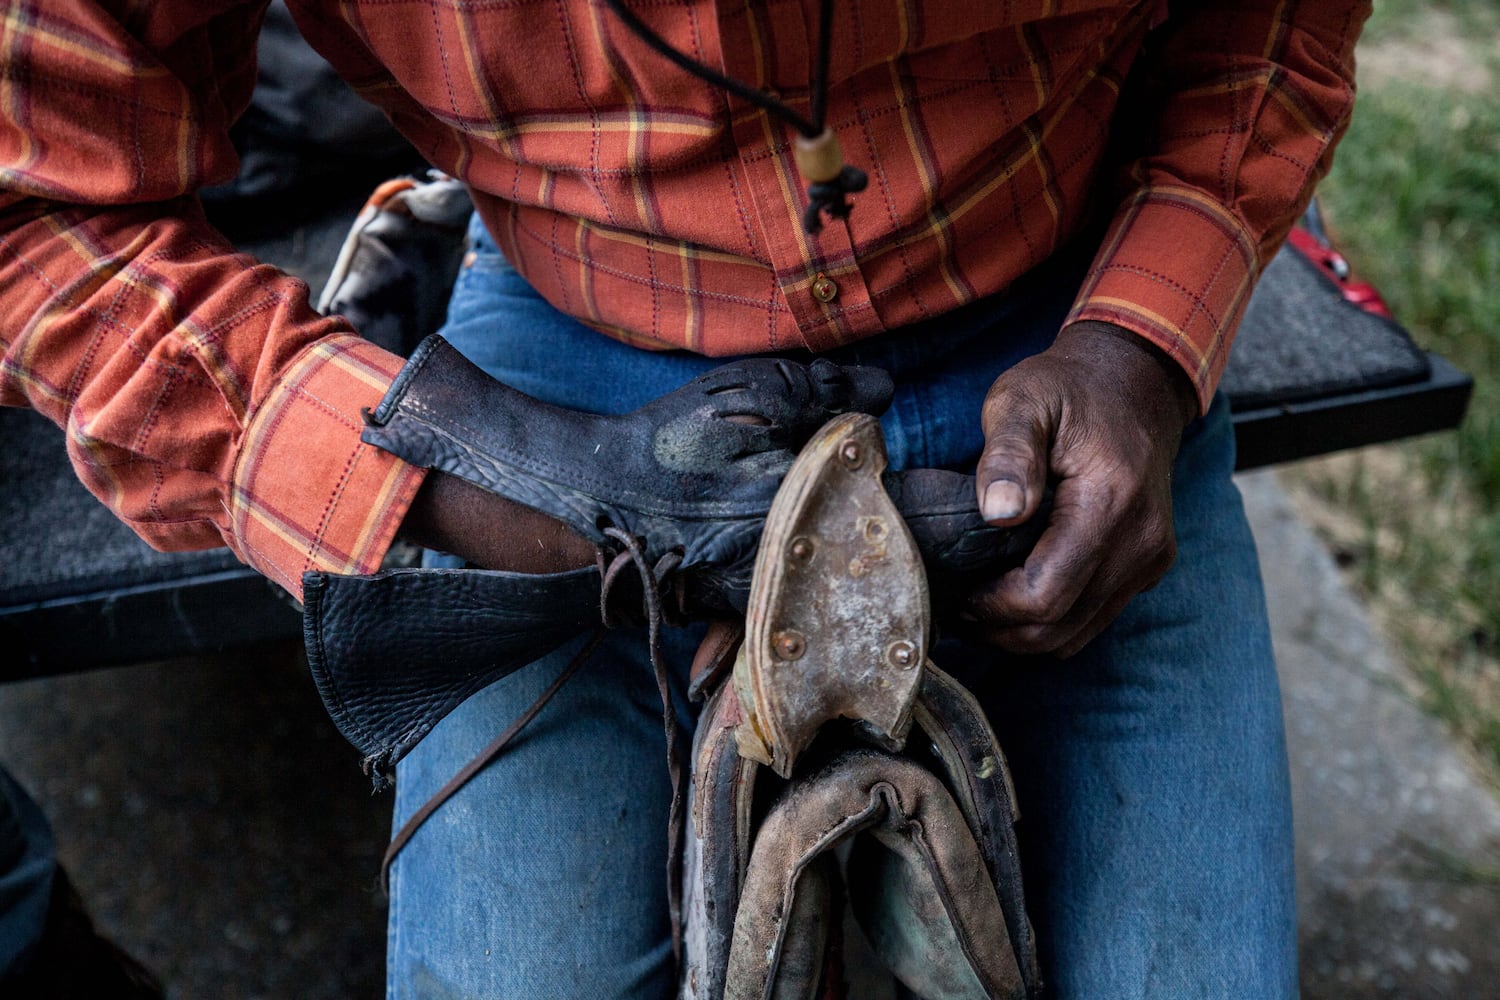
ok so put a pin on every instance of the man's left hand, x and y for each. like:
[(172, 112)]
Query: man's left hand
[(1100, 413)]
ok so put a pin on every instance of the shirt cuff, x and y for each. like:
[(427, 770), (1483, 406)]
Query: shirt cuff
[(1177, 268), (307, 493)]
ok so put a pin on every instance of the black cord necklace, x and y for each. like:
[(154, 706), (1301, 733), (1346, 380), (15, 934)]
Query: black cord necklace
[(816, 149)]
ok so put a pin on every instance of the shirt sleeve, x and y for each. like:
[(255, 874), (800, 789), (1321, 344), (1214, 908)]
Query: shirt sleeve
[(203, 399), (1249, 99)]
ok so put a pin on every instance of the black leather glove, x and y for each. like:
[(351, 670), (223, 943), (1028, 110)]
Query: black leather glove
[(692, 472)]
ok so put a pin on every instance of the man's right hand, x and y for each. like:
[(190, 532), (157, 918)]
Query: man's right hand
[(1101, 414)]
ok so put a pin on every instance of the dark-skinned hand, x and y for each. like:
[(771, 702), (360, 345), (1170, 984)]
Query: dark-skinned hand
[(1100, 414)]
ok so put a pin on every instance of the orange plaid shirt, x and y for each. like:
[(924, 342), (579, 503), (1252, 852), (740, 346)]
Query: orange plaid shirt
[(208, 404)]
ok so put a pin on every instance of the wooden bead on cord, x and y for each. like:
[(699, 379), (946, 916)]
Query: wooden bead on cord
[(819, 160)]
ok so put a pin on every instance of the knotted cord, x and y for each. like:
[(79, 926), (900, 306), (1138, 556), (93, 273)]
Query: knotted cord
[(816, 151), (634, 550)]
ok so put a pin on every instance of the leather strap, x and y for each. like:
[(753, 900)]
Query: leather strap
[(482, 759)]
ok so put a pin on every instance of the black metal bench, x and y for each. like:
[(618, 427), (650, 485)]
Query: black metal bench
[(1309, 375)]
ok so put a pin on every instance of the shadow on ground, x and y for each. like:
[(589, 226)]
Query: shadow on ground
[(215, 822)]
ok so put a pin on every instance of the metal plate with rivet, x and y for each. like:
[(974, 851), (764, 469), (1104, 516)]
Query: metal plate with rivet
[(839, 615)]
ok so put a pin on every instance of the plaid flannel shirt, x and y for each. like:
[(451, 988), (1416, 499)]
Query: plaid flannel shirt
[(207, 403)]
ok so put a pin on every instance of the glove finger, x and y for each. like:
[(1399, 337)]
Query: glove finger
[(791, 400), (824, 391), (766, 392), (852, 388)]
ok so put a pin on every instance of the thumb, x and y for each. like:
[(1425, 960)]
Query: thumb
[(1012, 472)]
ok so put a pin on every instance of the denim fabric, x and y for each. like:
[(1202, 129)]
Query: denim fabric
[(1151, 768), (27, 862)]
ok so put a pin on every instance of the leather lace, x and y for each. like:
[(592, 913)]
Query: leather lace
[(654, 580), (634, 550)]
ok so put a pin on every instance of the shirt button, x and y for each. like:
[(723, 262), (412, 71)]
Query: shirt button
[(823, 288)]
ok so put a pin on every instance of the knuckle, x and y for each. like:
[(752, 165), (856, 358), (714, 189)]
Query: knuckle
[(1045, 607), (1009, 401)]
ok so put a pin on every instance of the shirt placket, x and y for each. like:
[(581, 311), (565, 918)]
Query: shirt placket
[(766, 43)]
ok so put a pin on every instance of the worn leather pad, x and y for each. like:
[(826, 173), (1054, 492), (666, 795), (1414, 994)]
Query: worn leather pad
[(950, 791), (393, 653), (917, 885)]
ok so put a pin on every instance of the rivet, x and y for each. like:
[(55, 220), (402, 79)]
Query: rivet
[(875, 529), (852, 454), (802, 549), (824, 289), (902, 654), (788, 644)]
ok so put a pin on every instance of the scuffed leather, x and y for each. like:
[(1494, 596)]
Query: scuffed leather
[(840, 578), (916, 883), (945, 805), (716, 845), (393, 653), (973, 765)]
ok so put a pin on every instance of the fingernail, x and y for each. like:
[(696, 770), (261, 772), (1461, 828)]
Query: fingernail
[(1003, 500)]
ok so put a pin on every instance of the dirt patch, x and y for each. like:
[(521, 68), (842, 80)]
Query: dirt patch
[(1438, 55)]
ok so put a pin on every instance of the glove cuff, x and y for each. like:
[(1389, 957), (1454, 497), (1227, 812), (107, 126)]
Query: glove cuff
[(386, 687)]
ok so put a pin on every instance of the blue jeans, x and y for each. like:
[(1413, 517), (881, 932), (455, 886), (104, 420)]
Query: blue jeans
[(27, 862), (1151, 767)]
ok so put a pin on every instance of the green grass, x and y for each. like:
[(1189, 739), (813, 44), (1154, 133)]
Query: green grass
[(1415, 195), (1414, 199), (1438, 864), (1400, 19)]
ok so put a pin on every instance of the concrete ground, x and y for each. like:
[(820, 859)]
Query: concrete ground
[(220, 829), (1398, 839)]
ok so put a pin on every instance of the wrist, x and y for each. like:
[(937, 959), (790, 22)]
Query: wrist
[(488, 530), (1144, 371)]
